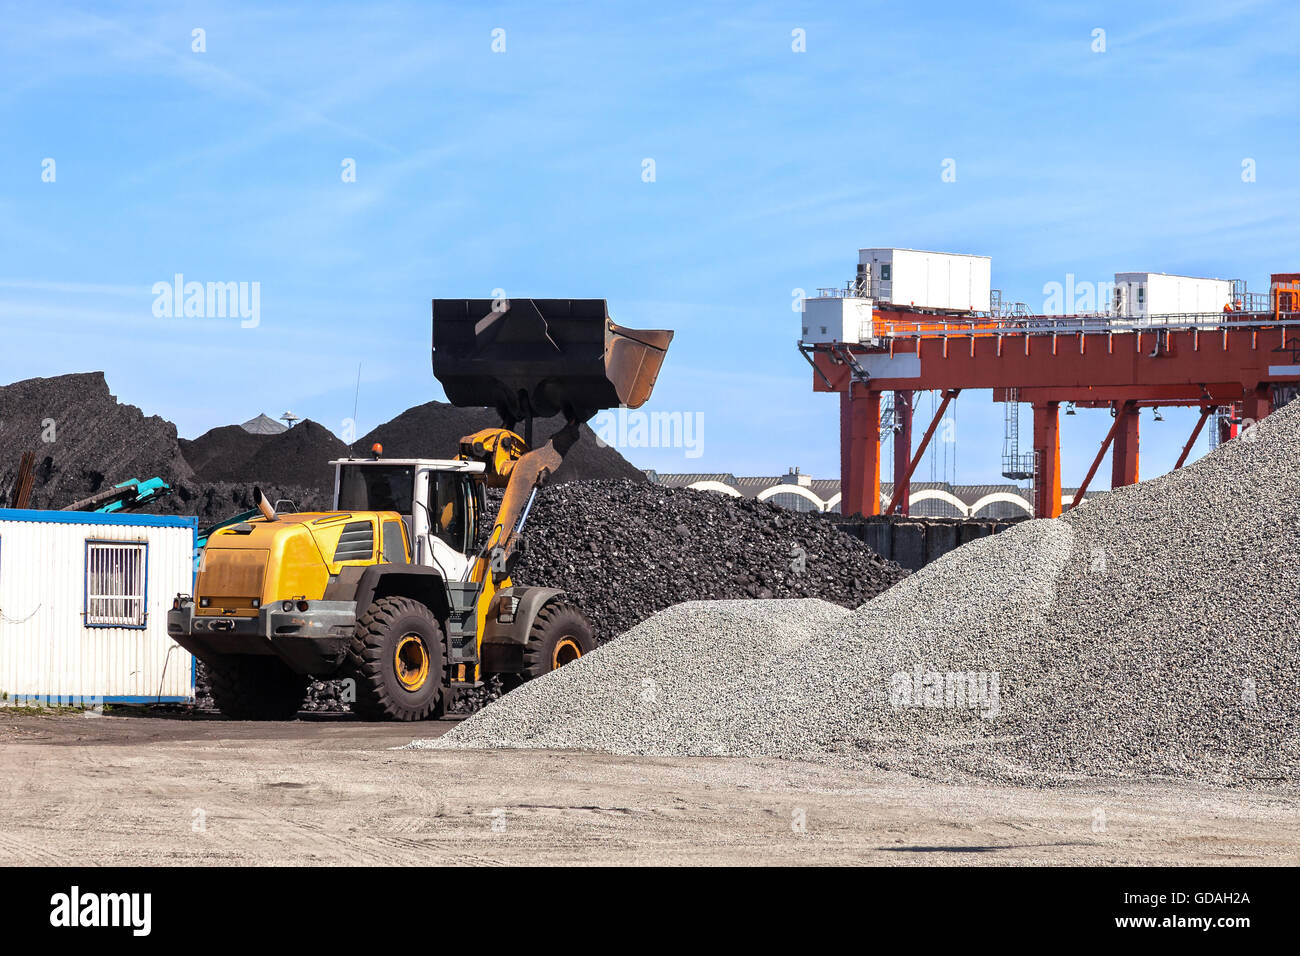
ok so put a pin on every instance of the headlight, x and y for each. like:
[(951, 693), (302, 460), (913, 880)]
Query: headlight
[(204, 602), (286, 606), (506, 610)]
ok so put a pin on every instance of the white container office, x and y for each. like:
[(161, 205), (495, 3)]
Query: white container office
[(1145, 294), (83, 607), (825, 320), (943, 281)]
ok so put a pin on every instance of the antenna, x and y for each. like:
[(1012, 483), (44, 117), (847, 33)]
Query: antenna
[(355, 399)]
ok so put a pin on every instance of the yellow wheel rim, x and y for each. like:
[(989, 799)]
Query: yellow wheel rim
[(411, 661), (566, 651)]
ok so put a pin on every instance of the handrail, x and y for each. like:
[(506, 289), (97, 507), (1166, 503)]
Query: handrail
[(1043, 325)]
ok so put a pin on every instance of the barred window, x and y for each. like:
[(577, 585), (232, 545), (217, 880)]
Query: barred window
[(115, 584)]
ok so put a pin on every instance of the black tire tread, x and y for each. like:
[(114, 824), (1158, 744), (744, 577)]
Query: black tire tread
[(365, 661), (537, 651), (256, 688)]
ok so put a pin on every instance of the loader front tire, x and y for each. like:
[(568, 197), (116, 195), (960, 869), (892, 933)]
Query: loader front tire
[(560, 635), (398, 660), (256, 688)]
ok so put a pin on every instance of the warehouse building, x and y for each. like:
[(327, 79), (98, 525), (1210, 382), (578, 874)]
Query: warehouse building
[(928, 499), (83, 607)]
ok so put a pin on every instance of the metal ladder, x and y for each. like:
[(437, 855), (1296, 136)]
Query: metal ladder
[(462, 632), (1015, 465)]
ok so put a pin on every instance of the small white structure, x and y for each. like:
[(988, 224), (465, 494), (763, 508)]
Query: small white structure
[(944, 281), (83, 607), (1140, 295), (828, 319)]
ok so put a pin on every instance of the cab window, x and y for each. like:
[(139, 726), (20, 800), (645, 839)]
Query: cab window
[(364, 487), (451, 510), (394, 543)]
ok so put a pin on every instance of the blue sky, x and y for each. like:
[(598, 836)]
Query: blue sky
[(522, 171)]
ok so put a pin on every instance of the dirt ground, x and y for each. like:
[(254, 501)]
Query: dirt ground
[(157, 790)]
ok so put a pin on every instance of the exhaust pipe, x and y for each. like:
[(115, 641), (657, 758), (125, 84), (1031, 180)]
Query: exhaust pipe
[(264, 505)]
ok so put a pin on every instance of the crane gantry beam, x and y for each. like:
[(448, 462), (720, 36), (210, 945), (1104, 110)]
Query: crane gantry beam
[(1236, 360)]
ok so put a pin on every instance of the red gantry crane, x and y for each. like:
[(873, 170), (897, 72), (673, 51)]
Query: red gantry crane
[(1244, 357)]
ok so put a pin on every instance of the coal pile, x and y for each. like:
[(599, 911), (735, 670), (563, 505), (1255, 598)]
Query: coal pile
[(322, 697), (95, 442), (222, 453), (1150, 633), (215, 501), (434, 430), (622, 547), (624, 550), (298, 457), (84, 439)]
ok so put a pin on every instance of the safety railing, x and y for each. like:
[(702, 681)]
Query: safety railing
[(863, 287), (1071, 325)]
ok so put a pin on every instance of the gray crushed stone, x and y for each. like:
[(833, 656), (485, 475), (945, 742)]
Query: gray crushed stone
[(636, 695), (1151, 633)]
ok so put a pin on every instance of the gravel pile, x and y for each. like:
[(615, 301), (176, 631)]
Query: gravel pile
[(1151, 633), (624, 550), (678, 683)]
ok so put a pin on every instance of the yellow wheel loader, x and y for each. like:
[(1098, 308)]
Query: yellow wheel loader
[(392, 588)]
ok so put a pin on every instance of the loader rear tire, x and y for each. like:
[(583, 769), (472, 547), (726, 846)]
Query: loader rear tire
[(560, 635), (398, 659), (256, 688)]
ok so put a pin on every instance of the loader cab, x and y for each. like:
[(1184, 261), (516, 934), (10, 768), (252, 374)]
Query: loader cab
[(442, 502)]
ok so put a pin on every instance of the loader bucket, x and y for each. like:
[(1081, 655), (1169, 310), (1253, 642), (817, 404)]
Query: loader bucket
[(542, 357)]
